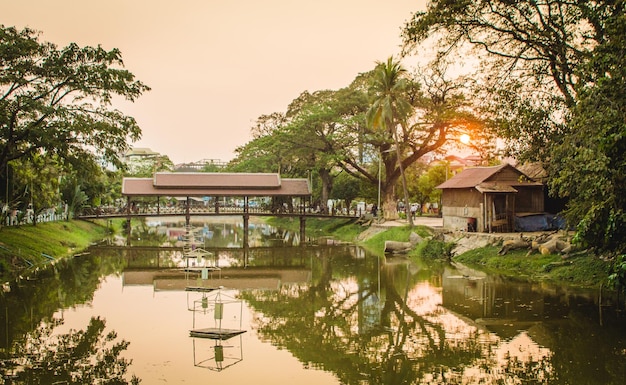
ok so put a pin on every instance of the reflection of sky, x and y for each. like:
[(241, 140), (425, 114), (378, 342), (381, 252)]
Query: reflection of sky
[(157, 325)]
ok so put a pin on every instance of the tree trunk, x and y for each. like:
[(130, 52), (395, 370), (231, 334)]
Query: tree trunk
[(327, 186), (390, 208)]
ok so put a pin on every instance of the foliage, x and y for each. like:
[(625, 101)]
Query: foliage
[(552, 78), (55, 100), (591, 166), (78, 357), (56, 118), (147, 166), (346, 187), (427, 184), (325, 130), (584, 270), (39, 178), (436, 249), (617, 276)]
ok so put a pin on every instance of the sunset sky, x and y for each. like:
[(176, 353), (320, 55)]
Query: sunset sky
[(216, 66)]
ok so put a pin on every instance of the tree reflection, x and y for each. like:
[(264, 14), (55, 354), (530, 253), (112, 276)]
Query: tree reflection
[(380, 323), (78, 357), (329, 325)]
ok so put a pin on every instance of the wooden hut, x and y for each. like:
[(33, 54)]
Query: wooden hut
[(487, 199)]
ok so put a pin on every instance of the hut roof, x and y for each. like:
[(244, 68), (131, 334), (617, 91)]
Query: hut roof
[(485, 178)]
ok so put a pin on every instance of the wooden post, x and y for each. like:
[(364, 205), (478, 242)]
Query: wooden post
[(128, 221), (302, 230), (187, 214), (246, 220)]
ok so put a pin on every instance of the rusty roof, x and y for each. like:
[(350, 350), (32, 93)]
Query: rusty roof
[(215, 184), (486, 177)]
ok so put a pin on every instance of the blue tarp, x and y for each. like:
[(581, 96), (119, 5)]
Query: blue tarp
[(539, 222)]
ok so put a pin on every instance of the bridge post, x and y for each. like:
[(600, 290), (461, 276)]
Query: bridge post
[(246, 221), (302, 230), (128, 229), (187, 214)]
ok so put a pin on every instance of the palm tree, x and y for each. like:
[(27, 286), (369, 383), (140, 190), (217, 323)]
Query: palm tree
[(390, 109)]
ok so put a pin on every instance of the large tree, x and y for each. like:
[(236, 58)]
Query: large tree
[(58, 101), (390, 110), (430, 111)]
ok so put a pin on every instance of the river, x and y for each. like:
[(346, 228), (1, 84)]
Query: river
[(324, 313)]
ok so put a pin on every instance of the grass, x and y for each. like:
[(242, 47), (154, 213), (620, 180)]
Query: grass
[(397, 233), (27, 245), (583, 270)]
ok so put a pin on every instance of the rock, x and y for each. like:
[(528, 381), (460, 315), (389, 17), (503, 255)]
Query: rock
[(414, 239), (397, 247)]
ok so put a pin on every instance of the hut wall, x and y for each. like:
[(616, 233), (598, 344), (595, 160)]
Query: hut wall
[(529, 199), (461, 209), (509, 176)]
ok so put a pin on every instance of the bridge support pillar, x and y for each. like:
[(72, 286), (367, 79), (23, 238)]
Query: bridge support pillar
[(187, 213), (128, 231), (246, 221), (302, 230)]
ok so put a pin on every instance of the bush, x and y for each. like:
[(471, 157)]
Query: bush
[(436, 249)]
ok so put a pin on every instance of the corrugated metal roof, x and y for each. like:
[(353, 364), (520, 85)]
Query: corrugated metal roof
[(207, 186), (471, 177), (475, 176)]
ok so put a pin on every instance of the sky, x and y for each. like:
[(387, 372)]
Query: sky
[(215, 66)]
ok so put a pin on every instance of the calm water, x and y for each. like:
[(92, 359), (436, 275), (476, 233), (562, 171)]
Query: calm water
[(322, 314)]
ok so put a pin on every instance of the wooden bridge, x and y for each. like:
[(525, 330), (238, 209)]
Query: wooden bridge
[(189, 210), (199, 194)]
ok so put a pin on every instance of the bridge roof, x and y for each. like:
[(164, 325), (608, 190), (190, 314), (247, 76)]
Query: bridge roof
[(215, 184)]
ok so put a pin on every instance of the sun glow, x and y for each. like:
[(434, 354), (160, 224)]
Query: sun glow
[(464, 138)]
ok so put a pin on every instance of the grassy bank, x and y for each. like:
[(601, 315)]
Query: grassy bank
[(581, 271), (26, 246)]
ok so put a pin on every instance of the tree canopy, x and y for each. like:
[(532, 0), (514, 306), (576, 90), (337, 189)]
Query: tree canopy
[(58, 101), (551, 72)]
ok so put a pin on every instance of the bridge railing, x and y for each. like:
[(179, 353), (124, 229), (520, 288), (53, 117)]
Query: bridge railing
[(146, 210)]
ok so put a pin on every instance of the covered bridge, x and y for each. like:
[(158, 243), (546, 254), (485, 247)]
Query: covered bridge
[(190, 186), (201, 184), (488, 199)]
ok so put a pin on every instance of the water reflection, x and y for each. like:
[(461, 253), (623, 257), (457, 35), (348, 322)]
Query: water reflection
[(324, 314), (78, 357), (229, 233)]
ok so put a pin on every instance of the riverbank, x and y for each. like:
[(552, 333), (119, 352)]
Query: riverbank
[(29, 246), (476, 250), (481, 251)]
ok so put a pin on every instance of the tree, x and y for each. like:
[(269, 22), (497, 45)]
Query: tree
[(147, 166), (58, 101), (264, 153), (591, 166), (390, 108), (346, 187), (39, 179), (439, 112), (552, 71)]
